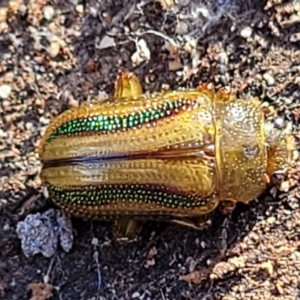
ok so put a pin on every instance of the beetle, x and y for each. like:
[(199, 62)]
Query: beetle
[(171, 155)]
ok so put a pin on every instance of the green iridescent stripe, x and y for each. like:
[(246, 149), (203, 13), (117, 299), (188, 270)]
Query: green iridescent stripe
[(112, 123), (104, 195)]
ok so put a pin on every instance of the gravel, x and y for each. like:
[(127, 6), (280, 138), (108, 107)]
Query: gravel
[(246, 32), (57, 54), (5, 91)]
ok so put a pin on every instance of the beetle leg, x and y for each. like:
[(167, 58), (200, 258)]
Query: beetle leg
[(268, 110), (227, 207), (126, 229), (266, 179), (206, 89), (127, 85), (223, 95), (199, 224)]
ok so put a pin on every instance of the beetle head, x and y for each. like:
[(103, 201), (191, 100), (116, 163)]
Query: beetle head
[(280, 148)]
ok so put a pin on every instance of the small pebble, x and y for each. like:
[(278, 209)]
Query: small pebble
[(79, 8), (182, 27), (44, 121), (284, 186), (93, 12), (246, 32), (142, 53), (270, 80), (224, 79), (106, 42), (6, 227), (183, 2), (73, 2), (22, 9), (295, 37), (53, 49), (135, 295), (223, 58), (5, 91), (222, 69), (95, 241), (279, 123), (8, 77), (48, 12)]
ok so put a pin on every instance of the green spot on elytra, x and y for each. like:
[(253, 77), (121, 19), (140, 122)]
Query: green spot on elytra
[(101, 195), (111, 123)]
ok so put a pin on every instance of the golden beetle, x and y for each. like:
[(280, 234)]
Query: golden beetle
[(171, 155)]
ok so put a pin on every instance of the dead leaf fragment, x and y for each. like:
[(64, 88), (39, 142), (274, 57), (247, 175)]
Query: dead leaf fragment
[(195, 277), (40, 291)]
